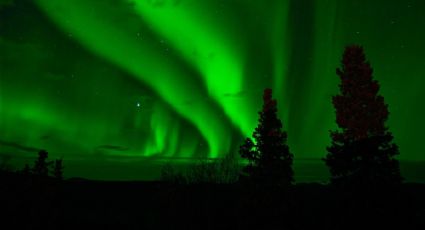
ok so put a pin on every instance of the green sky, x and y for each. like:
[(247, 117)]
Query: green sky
[(152, 80)]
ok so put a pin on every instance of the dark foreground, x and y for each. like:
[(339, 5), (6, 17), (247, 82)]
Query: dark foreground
[(78, 204)]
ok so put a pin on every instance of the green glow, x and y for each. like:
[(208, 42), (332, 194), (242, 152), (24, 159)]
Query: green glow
[(94, 32), (210, 48), (322, 82), (145, 80), (165, 128), (281, 50)]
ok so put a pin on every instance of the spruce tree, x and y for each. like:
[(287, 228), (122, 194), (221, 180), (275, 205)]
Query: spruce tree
[(41, 167), (362, 151), (269, 158)]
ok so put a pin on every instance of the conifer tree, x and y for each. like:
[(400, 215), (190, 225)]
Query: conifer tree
[(41, 167), (269, 158), (362, 150)]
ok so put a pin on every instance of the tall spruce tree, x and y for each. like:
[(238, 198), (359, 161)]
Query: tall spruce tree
[(362, 151), (269, 158)]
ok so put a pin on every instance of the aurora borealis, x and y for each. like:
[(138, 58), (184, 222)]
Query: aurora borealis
[(154, 80)]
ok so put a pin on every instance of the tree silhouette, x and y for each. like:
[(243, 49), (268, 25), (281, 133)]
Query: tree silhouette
[(362, 150), (58, 169), (269, 158), (41, 167)]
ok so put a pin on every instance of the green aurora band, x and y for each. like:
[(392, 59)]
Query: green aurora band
[(131, 80)]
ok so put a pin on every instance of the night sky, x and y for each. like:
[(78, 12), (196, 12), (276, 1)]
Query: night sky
[(116, 87)]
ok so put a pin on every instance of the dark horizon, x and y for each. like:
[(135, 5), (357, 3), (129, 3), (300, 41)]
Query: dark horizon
[(150, 169), (131, 90)]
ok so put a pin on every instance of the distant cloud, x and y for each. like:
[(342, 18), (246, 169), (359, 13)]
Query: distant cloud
[(18, 146), (112, 147), (238, 94), (159, 3), (45, 137), (162, 3)]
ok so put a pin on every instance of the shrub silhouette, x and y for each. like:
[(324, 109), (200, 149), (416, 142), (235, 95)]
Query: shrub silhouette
[(58, 169), (228, 169), (171, 175), (216, 171), (362, 151)]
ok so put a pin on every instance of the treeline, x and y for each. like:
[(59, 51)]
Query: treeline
[(41, 168), (362, 152)]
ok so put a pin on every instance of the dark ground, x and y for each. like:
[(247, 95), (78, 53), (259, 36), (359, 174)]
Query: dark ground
[(79, 204)]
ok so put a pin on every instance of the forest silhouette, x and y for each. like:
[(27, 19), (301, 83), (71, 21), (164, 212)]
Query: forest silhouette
[(366, 188)]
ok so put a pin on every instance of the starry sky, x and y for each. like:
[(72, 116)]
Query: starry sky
[(114, 83)]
